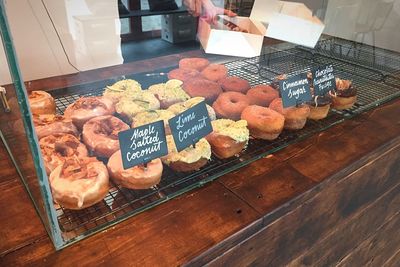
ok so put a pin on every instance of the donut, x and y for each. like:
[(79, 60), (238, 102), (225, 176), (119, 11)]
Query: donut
[(194, 63), (215, 72), (57, 147), (263, 123), (183, 74), (131, 105), (234, 84), (138, 177), (121, 88), (151, 116), (178, 108), (204, 88), (319, 107), (79, 183), (275, 82), (345, 95), (228, 137), (86, 108), (262, 95), (169, 93), (48, 124), (41, 102), (229, 105), (100, 134), (295, 117), (189, 159)]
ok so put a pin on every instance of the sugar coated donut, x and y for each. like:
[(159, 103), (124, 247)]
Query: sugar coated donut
[(235, 84), (262, 95), (204, 88), (138, 177), (48, 124), (230, 105), (295, 117), (183, 74), (215, 72), (263, 123), (194, 63), (41, 102)]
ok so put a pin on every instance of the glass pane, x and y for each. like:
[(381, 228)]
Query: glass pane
[(151, 23), (125, 26)]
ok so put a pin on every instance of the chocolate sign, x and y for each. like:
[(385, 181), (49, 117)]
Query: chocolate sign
[(142, 144), (190, 126), (295, 90), (323, 80)]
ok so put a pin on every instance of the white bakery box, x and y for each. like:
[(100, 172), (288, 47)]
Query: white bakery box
[(286, 21)]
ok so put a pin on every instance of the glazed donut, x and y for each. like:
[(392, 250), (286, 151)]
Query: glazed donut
[(262, 95), (48, 124), (56, 148), (100, 134), (178, 108), (138, 177), (189, 159), (41, 102), (131, 105), (79, 183), (230, 105), (319, 107), (295, 117), (263, 123), (234, 84), (193, 63), (215, 72), (151, 116), (204, 88), (345, 95), (121, 88), (183, 74), (86, 108), (228, 137), (169, 93)]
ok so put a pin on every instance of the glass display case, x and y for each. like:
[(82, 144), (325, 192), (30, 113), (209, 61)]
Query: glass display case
[(78, 64)]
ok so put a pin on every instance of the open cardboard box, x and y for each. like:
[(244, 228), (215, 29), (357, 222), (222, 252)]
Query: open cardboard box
[(286, 21)]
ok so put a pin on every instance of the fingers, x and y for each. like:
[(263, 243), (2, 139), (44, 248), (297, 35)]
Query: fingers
[(229, 13), (198, 8), (191, 6)]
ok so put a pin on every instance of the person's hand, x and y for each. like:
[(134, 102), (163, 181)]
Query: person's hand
[(206, 9)]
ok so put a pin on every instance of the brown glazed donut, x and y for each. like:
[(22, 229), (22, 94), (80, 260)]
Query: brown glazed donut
[(41, 102), (234, 84), (204, 88), (183, 74), (263, 123), (295, 117), (100, 134), (262, 95), (230, 105), (86, 108), (194, 63), (215, 72), (138, 177), (48, 124)]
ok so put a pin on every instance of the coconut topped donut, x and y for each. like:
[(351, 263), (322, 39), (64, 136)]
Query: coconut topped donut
[(237, 130), (182, 106), (41, 102), (48, 124), (131, 105), (169, 93), (121, 88), (151, 116)]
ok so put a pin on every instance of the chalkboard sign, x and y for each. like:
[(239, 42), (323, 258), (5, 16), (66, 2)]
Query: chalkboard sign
[(142, 144), (190, 126), (323, 80), (295, 90)]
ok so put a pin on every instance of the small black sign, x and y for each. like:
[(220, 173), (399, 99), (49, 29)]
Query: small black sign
[(295, 90), (142, 144), (323, 80), (190, 126)]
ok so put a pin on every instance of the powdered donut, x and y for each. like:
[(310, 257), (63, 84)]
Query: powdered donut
[(262, 95), (204, 88), (230, 105), (194, 63), (215, 72), (234, 84)]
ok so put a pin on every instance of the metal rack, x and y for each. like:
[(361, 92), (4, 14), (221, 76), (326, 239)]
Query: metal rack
[(120, 203)]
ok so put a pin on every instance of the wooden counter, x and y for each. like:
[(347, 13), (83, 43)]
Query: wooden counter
[(330, 199)]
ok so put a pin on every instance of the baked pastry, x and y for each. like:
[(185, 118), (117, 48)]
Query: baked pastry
[(263, 123), (86, 108), (319, 107), (183, 74), (151, 116), (295, 117), (235, 84), (194, 63), (41, 102), (345, 95), (275, 82), (79, 183), (138, 177), (129, 106), (100, 134), (262, 95), (56, 148), (169, 93), (215, 72), (121, 88), (229, 105), (178, 108), (48, 124), (204, 88), (189, 159), (228, 137)]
